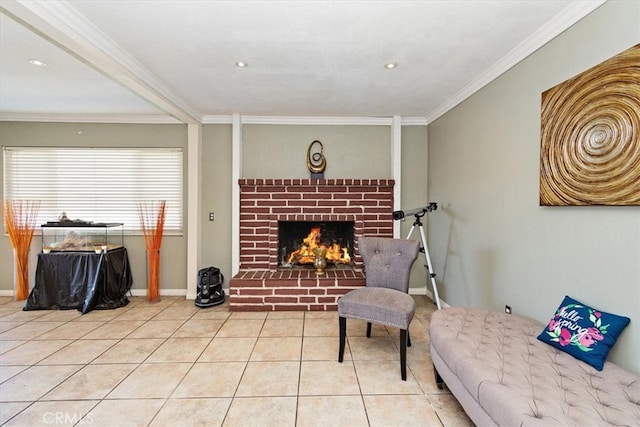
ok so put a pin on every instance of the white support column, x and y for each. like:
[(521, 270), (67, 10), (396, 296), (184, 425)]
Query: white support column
[(194, 187), (236, 174), (396, 168)]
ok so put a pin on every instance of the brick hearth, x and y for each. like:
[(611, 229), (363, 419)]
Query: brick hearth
[(259, 285), (289, 290)]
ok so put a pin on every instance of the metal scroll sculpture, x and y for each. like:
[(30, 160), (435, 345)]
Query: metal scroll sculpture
[(316, 162), (590, 136)]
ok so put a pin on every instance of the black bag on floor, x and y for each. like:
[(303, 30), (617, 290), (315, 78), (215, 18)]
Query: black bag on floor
[(210, 290)]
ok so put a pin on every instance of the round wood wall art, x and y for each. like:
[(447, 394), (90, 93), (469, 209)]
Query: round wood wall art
[(590, 136)]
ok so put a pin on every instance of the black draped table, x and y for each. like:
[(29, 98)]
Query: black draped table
[(81, 280)]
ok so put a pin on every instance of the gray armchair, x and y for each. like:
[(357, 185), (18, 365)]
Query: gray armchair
[(385, 299)]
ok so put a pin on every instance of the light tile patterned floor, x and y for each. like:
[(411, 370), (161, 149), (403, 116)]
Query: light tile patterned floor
[(172, 364)]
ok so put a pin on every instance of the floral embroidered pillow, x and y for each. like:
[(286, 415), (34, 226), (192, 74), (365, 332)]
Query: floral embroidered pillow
[(583, 332)]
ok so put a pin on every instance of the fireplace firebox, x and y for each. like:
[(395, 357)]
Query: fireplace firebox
[(298, 239)]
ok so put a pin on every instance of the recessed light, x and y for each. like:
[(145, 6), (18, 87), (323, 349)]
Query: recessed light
[(241, 64), (37, 63), (390, 66)]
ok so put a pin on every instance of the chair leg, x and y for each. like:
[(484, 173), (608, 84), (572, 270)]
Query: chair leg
[(403, 354), (408, 339), (368, 329), (343, 335)]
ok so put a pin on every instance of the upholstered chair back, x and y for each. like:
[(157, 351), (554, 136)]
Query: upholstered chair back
[(387, 262)]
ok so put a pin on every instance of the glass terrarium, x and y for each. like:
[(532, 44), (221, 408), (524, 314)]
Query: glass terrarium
[(70, 236)]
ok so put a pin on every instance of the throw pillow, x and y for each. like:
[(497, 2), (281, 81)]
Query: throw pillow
[(583, 332)]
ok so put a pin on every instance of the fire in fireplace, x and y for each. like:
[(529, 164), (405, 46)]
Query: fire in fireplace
[(298, 239)]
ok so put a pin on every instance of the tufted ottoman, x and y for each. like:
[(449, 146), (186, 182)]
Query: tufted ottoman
[(502, 375)]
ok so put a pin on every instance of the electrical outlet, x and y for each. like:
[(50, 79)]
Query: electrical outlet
[(211, 216), (507, 309)]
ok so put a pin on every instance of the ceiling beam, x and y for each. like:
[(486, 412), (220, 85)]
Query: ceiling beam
[(66, 28)]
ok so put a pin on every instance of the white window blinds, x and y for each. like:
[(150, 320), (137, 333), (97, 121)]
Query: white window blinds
[(96, 184)]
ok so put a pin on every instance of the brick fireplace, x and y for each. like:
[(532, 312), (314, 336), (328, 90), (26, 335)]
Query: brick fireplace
[(260, 284)]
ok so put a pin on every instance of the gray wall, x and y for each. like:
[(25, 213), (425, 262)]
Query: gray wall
[(271, 151), (216, 198), (279, 151), (493, 244), (414, 195), (173, 252)]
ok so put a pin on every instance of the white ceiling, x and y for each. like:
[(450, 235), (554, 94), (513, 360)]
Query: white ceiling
[(305, 58)]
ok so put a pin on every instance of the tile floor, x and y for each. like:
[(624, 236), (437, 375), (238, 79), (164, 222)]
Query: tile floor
[(170, 363)]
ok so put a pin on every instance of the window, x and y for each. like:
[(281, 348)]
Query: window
[(96, 184)]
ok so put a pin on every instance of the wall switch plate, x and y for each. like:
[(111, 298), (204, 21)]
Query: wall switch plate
[(211, 216), (507, 309)]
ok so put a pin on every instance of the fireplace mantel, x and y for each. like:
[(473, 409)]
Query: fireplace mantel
[(263, 202)]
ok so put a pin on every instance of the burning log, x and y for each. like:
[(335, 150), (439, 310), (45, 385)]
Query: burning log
[(305, 255)]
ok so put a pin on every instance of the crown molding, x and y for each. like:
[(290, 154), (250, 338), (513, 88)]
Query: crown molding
[(217, 119), (573, 13), (413, 121), (64, 26), (312, 120), (90, 118), (207, 120)]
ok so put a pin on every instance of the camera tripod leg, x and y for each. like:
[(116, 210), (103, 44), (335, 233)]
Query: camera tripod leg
[(428, 265)]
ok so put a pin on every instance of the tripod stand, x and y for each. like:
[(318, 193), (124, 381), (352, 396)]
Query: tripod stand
[(425, 250)]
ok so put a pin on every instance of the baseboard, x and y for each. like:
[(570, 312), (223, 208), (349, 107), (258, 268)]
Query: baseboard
[(183, 293), (134, 292), (422, 290), (163, 292)]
